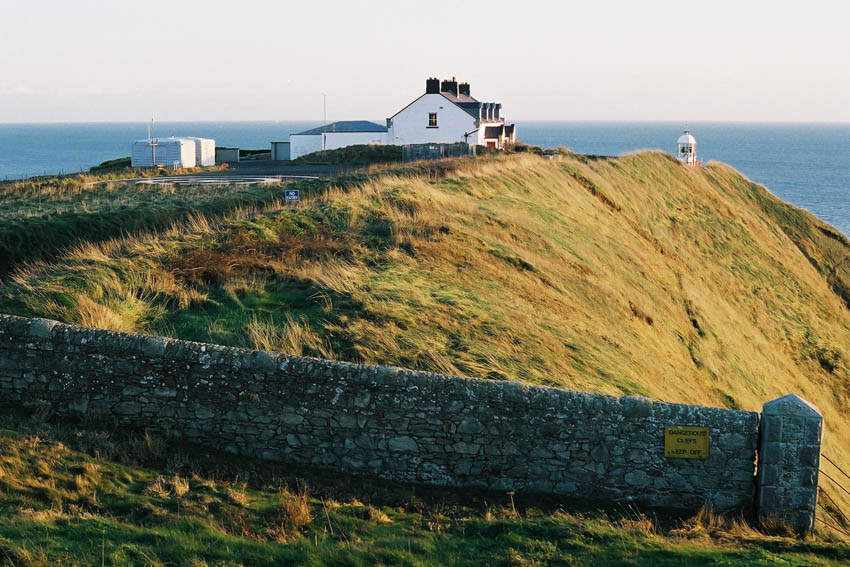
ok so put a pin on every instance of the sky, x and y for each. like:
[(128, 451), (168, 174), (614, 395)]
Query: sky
[(182, 60)]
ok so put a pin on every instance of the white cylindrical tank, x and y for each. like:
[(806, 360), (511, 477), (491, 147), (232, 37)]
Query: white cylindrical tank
[(163, 152), (687, 149), (204, 151)]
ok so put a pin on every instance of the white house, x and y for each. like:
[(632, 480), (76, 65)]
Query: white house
[(448, 113), (165, 152), (445, 113), (336, 135), (686, 151)]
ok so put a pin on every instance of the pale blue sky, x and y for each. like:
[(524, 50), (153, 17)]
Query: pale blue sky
[(270, 60)]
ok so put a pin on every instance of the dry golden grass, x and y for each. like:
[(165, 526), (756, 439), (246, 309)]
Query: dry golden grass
[(378, 516), (625, 276), (291, 516), (168, 487)]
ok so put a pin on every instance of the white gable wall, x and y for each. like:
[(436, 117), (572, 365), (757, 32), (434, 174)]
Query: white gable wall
[(410, 126)]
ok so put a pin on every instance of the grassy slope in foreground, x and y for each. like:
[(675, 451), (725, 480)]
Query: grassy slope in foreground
[(61, 506)]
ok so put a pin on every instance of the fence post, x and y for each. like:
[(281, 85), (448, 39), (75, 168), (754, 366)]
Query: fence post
[(788, 460)]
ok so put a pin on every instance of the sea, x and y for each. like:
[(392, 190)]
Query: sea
[(807, 164)]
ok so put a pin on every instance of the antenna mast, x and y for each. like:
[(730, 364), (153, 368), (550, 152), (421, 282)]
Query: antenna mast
[(152, 143)]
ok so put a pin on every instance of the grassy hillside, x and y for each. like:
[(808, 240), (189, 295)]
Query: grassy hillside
[(40, 218), (141, 502), (633, 275)]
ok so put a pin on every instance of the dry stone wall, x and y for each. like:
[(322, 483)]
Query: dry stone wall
[(397, 424)]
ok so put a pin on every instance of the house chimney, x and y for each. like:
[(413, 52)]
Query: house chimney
[(463, 89), (449, 87), (432, 86)]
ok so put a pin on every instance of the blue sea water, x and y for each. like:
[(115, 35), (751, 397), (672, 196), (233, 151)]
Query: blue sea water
[(805, 164)]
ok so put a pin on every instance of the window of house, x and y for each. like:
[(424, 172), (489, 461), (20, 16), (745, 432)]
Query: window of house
[(432, 120)]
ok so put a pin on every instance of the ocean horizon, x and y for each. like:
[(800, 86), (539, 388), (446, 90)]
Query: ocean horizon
[(804, 163)]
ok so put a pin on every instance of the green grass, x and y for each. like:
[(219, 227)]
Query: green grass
[(117, 164), (142, 501), (41, 217), (39, 223)]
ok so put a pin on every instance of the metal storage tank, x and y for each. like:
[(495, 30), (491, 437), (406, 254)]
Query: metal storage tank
[(204, 151), (167, 152)]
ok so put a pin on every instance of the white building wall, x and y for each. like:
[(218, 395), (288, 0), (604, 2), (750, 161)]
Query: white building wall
[(334, 140), (170, 152), (410, 126), (300, 145), (204, 151)]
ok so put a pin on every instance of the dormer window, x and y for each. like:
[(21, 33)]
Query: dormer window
[(432, 120)]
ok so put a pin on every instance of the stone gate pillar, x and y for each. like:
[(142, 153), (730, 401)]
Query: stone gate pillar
[(788, 461)]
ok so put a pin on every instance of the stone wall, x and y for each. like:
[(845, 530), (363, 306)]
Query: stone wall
[(398, 424)]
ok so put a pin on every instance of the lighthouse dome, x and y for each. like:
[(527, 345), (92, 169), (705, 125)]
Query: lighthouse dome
[(687, 139)]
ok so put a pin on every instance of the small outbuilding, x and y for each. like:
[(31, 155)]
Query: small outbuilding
[(280, 151), (226, 155), (163, 152)]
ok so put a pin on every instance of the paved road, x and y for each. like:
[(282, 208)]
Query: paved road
[(246, 173), (269, 168), (237, 179)]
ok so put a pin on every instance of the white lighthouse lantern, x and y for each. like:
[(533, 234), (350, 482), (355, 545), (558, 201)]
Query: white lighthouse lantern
[(687, 149)]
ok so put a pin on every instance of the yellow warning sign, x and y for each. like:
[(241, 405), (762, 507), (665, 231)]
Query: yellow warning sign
[(685, 442)]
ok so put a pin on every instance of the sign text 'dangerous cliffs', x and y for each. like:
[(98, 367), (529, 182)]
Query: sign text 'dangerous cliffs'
[(685, 442)]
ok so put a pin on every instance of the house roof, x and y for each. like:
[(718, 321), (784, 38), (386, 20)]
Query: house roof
[(493, 131), (458, 98), (345, 126), (466, 102)]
